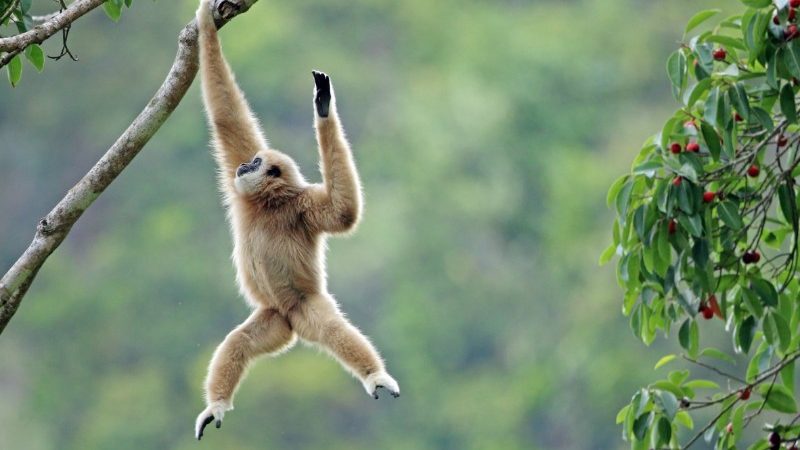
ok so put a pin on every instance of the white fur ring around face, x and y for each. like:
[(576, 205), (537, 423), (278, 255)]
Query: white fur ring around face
[(214, 412), (381, 380)]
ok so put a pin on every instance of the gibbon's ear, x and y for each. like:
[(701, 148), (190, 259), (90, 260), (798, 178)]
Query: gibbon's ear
[(322, 93)]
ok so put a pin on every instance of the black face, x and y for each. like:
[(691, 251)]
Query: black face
[(248, 167)]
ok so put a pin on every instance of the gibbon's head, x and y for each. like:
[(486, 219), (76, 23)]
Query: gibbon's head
[(270, 175)]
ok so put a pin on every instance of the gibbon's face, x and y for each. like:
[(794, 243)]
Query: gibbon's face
[(269, 171)]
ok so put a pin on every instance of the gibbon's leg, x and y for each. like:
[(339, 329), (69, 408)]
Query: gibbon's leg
[(337, 205), (265, 331), (318, 320), (237, 135)]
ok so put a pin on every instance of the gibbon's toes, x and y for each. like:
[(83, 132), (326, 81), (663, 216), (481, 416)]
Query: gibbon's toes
[(381, 380), (206, 417)]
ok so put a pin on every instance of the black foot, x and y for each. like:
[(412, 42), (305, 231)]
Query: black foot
[(206, 421), (322, 95)]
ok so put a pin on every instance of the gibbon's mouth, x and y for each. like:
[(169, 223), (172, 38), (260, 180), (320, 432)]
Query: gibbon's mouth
[(246, 168)]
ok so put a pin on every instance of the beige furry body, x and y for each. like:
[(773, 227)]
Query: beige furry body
[(279, 225)]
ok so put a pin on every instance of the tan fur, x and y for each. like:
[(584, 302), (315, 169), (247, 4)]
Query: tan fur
[(279, 225)]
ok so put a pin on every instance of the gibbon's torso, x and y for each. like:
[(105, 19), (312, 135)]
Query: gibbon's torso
[(279, 261)]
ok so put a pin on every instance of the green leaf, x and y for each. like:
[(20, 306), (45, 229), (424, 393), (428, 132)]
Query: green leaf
[(663, 432), (669, 403), (14, 68), (685, 419), (613, 191), (791, 58), (738, 421), (35, 55), (766, 292), (772, 69), (743, 334), (711, 138), (640, 425), (676, 69), (729, 213), (711, 111), (763, 118), (701, 384), (622, 413), (683, 334), (697, 91), (757, 3), (788, 202), (714, 353), (608, 253), (112, 10), (788, 107), (778, 398), (739, 98), (666, 359), (699, 18)]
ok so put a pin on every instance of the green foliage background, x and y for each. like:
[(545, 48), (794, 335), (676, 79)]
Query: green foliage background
[(486, 134)]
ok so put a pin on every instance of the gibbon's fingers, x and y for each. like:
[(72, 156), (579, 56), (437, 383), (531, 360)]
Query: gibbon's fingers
[(322, 93)]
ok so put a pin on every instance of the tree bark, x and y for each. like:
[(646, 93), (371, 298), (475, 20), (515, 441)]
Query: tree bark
[(54, 228)]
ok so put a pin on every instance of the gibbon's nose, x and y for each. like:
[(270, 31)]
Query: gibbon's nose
[(248, 167)]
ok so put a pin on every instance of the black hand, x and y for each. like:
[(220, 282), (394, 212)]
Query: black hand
[(322, 98)]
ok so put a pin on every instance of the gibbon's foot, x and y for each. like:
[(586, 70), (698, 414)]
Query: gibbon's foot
[(381, 380), (215, 410), (228, 9), (322, 93)]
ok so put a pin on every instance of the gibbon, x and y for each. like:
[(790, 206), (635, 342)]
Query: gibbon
[(279, 224)]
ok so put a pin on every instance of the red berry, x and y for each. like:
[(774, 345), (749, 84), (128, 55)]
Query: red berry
[(791, 14), (775, 439), (794, 3), (706, 312), (782, 140), (791, 31), (693, 147), (737, 117), (676, 181), (672, 226), (744, 394), (776, 20), (720, 54), (675, 148), (729, 428), (708, 197), (689, 124), (753, 171), (714, 306), (756, 256), (747, 257)]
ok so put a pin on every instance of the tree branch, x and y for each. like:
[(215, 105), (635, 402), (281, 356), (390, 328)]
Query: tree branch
[(54, 228), (40, 33)]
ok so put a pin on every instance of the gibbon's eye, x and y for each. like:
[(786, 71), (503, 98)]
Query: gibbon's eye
[(274, 171), (257, 161)]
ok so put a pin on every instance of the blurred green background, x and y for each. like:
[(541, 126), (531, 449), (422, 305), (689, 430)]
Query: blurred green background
[(486, 133)]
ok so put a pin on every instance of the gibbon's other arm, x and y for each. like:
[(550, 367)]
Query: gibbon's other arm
[(236, 132), (336, 205)]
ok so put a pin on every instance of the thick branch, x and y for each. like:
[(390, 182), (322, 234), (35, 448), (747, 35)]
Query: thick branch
[(40, 33), (54, 228)]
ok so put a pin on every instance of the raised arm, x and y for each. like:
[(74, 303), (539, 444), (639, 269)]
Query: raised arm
[(337, 202), (237, 135)]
